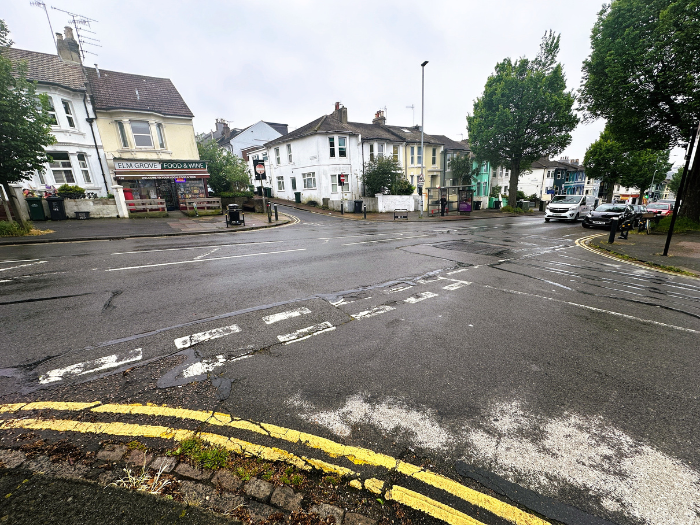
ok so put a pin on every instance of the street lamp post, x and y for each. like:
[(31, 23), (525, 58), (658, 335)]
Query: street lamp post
[(421, 180)]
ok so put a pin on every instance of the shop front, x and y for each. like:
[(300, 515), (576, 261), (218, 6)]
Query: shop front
[(175, 183)]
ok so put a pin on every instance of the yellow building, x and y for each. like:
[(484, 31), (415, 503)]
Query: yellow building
[(148, 137)]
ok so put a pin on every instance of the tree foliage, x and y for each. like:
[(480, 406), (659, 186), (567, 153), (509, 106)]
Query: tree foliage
[(384, 174), (643, 76), (226, 172), (608, 160), (675, 182), (524, 113), (25, 126), (463, 168)]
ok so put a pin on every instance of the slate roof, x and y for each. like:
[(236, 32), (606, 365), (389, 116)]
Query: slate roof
[(49, 69), (451, 144), (115, 90)]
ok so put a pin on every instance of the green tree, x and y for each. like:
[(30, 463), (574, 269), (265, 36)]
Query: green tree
[(524, 113), (25, 126), (226, 172), (382, 174), (675, 183), (643, 76), (463, 168), (610, 162)]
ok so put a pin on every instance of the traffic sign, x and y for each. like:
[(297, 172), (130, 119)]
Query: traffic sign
[(341, 179), (259, 167), (421, 180)]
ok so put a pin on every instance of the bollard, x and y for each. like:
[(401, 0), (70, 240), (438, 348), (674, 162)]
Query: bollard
[(341, 208), (364, 210), (613, 231), (276, 216), (269, 213)]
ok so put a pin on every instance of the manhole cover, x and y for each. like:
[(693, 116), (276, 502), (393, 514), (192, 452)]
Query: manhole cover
[(479, 248)]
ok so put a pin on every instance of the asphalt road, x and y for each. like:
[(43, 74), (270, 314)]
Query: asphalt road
[(499, 344)]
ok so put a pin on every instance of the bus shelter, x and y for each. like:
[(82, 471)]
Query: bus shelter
[(454, 199)]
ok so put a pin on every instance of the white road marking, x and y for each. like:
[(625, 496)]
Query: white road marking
[(201, 260), (374, 311), (385, 240), (208, 253), (22, 266), (341, 302), (12, 261), (207, 365), (305, 333), (458, 271), (87, 367), (194, 248), (191, 340), (397, 289), (456, 286), (420, 297), (269, 319)]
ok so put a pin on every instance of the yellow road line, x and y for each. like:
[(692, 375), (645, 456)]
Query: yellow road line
[(430, 506), (357, 455)]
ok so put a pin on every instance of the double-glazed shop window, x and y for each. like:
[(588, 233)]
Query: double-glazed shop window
[(61, 169), (142, 134)]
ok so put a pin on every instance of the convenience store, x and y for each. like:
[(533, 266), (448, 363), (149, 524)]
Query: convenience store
[(174, 181)]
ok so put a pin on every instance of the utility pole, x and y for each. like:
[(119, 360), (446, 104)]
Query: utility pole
[(421, 180)]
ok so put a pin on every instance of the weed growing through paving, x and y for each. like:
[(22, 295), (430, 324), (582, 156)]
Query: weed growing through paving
[(210, 457), (143, 482)]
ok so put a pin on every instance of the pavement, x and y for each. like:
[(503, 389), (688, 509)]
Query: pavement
[(684, 252)]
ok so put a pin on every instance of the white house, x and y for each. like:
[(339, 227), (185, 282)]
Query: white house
[(256, 135), (78, 155)]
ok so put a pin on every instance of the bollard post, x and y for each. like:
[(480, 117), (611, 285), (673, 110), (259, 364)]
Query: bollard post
[(364, 210), (269, 213), (341, 208), (613, 231), (276, 216)]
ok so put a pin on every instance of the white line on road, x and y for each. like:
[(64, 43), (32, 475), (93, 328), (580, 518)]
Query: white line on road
[(374, 311), (202, 260), (208, 253), (305, 333), (385, 240), (12, 261), (191, 340), (397, 289), (341, 302), (207, 365), (269, 319), (456, 286), (420, 297), (194, 248), (22, 266), (87, 367)]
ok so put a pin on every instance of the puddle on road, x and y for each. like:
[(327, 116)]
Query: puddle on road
[(478, 248)]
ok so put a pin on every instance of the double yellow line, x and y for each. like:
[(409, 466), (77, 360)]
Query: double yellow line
[(356, 455)]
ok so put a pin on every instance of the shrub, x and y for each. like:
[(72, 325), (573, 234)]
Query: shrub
[(683, 224), (71, 192), (510, 209), (232, 194), (402, 187), (14, 229)]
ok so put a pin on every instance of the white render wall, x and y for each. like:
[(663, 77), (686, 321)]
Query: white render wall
[(73, 141), (312, 155), (256, 135)]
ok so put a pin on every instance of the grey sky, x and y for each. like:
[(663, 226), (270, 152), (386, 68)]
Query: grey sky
[(288, 61)]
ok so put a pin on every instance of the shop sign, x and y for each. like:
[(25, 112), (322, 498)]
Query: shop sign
[(136, 165), (142, 165), (184, 165), (180, 179)]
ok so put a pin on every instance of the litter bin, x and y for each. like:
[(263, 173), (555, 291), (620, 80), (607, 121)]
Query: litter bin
[(57, 208), (358, 207), (268, 192), (36, 208), (234, 215), (543, 205), (496, 205), (297, 197), (477, 205)]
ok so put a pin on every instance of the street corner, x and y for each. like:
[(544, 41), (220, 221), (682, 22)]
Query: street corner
[(223, 462)]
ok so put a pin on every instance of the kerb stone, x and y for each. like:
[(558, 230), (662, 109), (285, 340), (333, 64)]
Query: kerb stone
[(284, 497), (259, 489), (111, 452), (190, 472), (227, 481), (324, 510), (358, 519)]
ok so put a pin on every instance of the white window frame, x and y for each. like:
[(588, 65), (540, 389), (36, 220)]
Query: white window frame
[(395, 153), (434, 158), (69, 113), (84, 168), (62, 166), (123, 137), (309, 179), (149, 134), (371, 152), (160, 134), (380, 151), (294, 183), (334, 183), (413, 155), (280, 183), (52, 112), (342, 147), (331, 146), (277, 156), (420, 155), (289, 154)]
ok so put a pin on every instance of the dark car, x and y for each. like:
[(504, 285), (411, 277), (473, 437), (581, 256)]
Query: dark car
[(639, 212), (603, 214)]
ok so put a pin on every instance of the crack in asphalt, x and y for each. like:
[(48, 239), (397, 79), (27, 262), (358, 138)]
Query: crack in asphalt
[(39, 299)]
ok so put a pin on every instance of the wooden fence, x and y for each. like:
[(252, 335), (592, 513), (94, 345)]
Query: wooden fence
[(141, 205), (212, 203)]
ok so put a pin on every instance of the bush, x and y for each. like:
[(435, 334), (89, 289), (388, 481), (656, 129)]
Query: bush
[(71, 192), (232, 194), (402, 187), (510, 209), (14, 229), (683, 224)]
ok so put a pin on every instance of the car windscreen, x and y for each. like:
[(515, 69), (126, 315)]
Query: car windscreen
[(611, 208), (566, 199), (658, 206)]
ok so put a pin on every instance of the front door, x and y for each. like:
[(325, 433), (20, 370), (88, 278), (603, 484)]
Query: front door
[(166, 190)]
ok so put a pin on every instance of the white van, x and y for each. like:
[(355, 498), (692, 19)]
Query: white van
[(568, 207)]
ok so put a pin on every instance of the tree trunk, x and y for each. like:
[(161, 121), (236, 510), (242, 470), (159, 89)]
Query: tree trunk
[(691, 198), (513, 188), (13, 204)]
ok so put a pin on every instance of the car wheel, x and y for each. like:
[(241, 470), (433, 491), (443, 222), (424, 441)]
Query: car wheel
[(575, 218), (585, 225), (546, 219)]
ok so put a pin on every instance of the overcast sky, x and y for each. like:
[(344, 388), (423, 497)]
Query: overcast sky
[(289, 61)]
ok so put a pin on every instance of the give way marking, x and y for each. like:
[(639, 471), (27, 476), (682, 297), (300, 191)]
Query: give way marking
[(191, 340), (87, 367)]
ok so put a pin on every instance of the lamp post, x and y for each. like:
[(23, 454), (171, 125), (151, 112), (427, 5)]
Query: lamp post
[(651, 188), (421, 179)]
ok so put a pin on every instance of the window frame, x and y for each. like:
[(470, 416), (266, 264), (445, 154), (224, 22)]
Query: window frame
[(342, 147), (434, 158), (121, 131), (277, 156), (84, 168), (160, 134), (395, 153), (310, 176), (294, 183), (280, 183), (420, 155), (413, 155), (62, 167), (290, 159), (135, 135), (69, 113), (371, 152), (52, 111), (331, 146)]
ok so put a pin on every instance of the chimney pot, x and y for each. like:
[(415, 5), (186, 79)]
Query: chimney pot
[(337, 106)]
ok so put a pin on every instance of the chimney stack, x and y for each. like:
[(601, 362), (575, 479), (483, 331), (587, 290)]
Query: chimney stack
[(341, 113), (68, 49), (379, 118)]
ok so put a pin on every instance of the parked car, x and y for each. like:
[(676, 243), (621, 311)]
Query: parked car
[(661, 209), (603, 214), (568, 207), (639, 212)]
